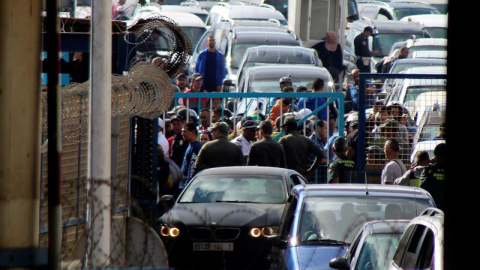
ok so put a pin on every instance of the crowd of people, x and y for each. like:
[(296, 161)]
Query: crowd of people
[(201, 133)]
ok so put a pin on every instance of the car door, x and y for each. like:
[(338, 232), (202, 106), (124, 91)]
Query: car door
[(284, 232), (415, 249)]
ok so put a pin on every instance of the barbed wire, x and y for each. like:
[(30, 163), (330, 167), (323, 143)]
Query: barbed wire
[(179, 46), (145, 91)]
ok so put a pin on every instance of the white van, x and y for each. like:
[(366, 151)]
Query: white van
[(435, 24), (190, 24), (242, 11)]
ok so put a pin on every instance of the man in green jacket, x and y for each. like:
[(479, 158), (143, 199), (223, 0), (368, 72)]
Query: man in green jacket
[(220, 152)]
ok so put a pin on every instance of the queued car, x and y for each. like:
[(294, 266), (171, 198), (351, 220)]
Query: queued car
[(406, 91), (265, 79), (236, 42), (268, 55), (420, 44), (224, 215), (196, 10), (395, 10), (421, 245), (222, 28), (373, 247), (436, 24), (243, 11), (385, 34), (428, 146), (400, 65), (320, 221)]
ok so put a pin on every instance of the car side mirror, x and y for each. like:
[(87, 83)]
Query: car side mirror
[(228, 85), (166, 203), (339, 263), (337, 87)]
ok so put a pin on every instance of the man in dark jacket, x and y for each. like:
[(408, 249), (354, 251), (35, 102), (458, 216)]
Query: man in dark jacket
[(433, 177), (362, 51), (297, 147), (220, 152), (266, 152)]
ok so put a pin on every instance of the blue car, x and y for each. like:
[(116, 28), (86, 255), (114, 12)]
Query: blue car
[(320, 221)]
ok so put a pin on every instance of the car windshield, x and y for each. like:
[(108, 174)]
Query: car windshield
[(437, 32), (235, 189), (414, 91), (377, 251), (384, 41), (398, 67), (193, 33), (239, 49), (404, 12), (340, 218), (270, 85)]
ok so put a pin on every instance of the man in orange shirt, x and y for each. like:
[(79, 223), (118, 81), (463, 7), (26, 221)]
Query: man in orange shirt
[(282, 106)]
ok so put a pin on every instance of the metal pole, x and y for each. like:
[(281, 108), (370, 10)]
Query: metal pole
[(54, 140), (99, 151)]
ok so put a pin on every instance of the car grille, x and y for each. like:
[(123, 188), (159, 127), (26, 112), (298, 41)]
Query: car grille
[(200, 234), (226, 234), (217, 234)]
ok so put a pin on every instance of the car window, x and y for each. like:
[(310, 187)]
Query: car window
[(409, 260), (351, 213), (377, 251), (245, 189), (401, 248), (404, 12)]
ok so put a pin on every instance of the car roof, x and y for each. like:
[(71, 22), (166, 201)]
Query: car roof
[(431, 217), (248, 12), (180, 8), (428, 20), (429, 54), (270, 37), (409, 4), (421, 60), (294, 70), (426, 41), (254, 12), (426, 70), (245, 170), (259, 53), (391, 26), (374, 190), (183, 19)]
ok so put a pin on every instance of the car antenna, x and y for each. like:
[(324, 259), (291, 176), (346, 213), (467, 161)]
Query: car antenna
[(366, 184)]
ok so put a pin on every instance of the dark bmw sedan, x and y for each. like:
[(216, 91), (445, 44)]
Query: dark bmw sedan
[(223, 217)]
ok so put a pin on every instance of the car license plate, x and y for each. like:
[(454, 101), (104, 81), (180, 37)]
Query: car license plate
[(213, 246)]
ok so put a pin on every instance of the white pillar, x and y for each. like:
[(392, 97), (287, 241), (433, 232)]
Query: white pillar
[(99, 151)]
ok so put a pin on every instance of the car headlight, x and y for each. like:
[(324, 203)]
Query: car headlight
[(169, 231), (263, 231)]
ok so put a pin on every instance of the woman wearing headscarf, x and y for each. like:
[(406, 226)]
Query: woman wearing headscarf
[(330, 52)]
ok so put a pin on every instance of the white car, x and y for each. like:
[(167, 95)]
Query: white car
[(421, 245), (428, 146), (436, 24)]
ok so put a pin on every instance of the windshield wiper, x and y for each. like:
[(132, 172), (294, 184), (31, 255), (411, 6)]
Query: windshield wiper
[(326, 241), (234, 201)]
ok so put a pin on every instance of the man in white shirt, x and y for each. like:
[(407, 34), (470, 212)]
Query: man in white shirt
[(162, 140), (395, 167), (248, 136)]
